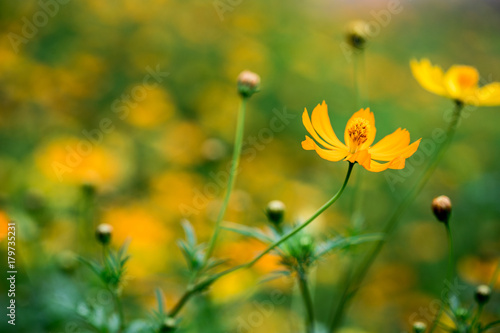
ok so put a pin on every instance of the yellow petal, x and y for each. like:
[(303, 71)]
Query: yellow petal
[(461, 81), (489, 95), (308, 144), (321, 123), (312, 131), (397, 163), (334, 154), (389, 147), (430, 77), (362, 157)]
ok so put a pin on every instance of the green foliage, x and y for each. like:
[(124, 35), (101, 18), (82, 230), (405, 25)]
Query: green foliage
[(113, 268)]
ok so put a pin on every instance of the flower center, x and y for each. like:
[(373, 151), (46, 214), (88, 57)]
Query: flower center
[(465, 80), (358, 131)]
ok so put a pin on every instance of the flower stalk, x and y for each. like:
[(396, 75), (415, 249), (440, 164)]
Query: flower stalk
[(364, 267), (306, 297), (232, 176), (307, 222), (449, 274), (202, 285)]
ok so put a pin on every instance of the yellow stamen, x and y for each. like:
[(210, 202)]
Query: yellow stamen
[(358, 131)]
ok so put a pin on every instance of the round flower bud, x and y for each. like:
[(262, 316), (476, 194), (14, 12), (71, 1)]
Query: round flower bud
[(483, 294), (357, 34), (103, 233), (67, 261), (441, 207), (419, 327), (275, 212), (248, 83), (168, 325), (462, 314)]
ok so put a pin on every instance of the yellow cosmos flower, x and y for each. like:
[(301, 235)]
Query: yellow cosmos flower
[(460, 83), (358, 136)]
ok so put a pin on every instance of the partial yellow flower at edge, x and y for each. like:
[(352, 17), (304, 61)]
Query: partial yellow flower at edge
[(460, 83), (358, 137)]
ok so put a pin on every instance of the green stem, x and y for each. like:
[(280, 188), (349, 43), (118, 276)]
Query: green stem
[(307, 222), (477, 316), (306, 297), (119, 309), (364, 267), (449, 275), (232, 176), (359, 76), (87, 217), (182, 301), (491, 325), (199, 286)]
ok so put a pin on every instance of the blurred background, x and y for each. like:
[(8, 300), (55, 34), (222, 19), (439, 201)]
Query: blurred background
[(123, 112)]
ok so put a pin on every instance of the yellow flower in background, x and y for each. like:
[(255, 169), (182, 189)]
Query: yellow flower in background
[(150, 238), (4, 224), (460, 83), (72, 160), (358, 136)]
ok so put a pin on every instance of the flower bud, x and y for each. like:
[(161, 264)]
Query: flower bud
[(357, 34), (103, 233), (419, 327), (248, 83), (483, 294), (462, 314), (67, 261), (275, 212), (441, 207), (168, 325)]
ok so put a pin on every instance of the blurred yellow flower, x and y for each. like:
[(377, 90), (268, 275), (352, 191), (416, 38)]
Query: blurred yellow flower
[(460, 83), (358, 136), (77, 161), (151, 239), (156, 107), (4, 221)]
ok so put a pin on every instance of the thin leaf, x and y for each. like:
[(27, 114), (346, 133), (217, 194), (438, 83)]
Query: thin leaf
[(190, 233), (92, 265), (159, 298), (247, 231), (212, 263), (123, 249), (186, 252), (342, 242)]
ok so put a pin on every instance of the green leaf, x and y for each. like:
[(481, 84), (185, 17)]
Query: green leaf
[(186, 251), (123, 249), (95, 267), (159, 299), (342, 242), (212, 263), (139, 326), (248, 232), (190, 233)]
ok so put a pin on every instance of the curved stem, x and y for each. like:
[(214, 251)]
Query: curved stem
[(491, 325), (306, 297), (306, 223), (364, 267), (232, 176), (180, 304), (205, 283), (449, 275)]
